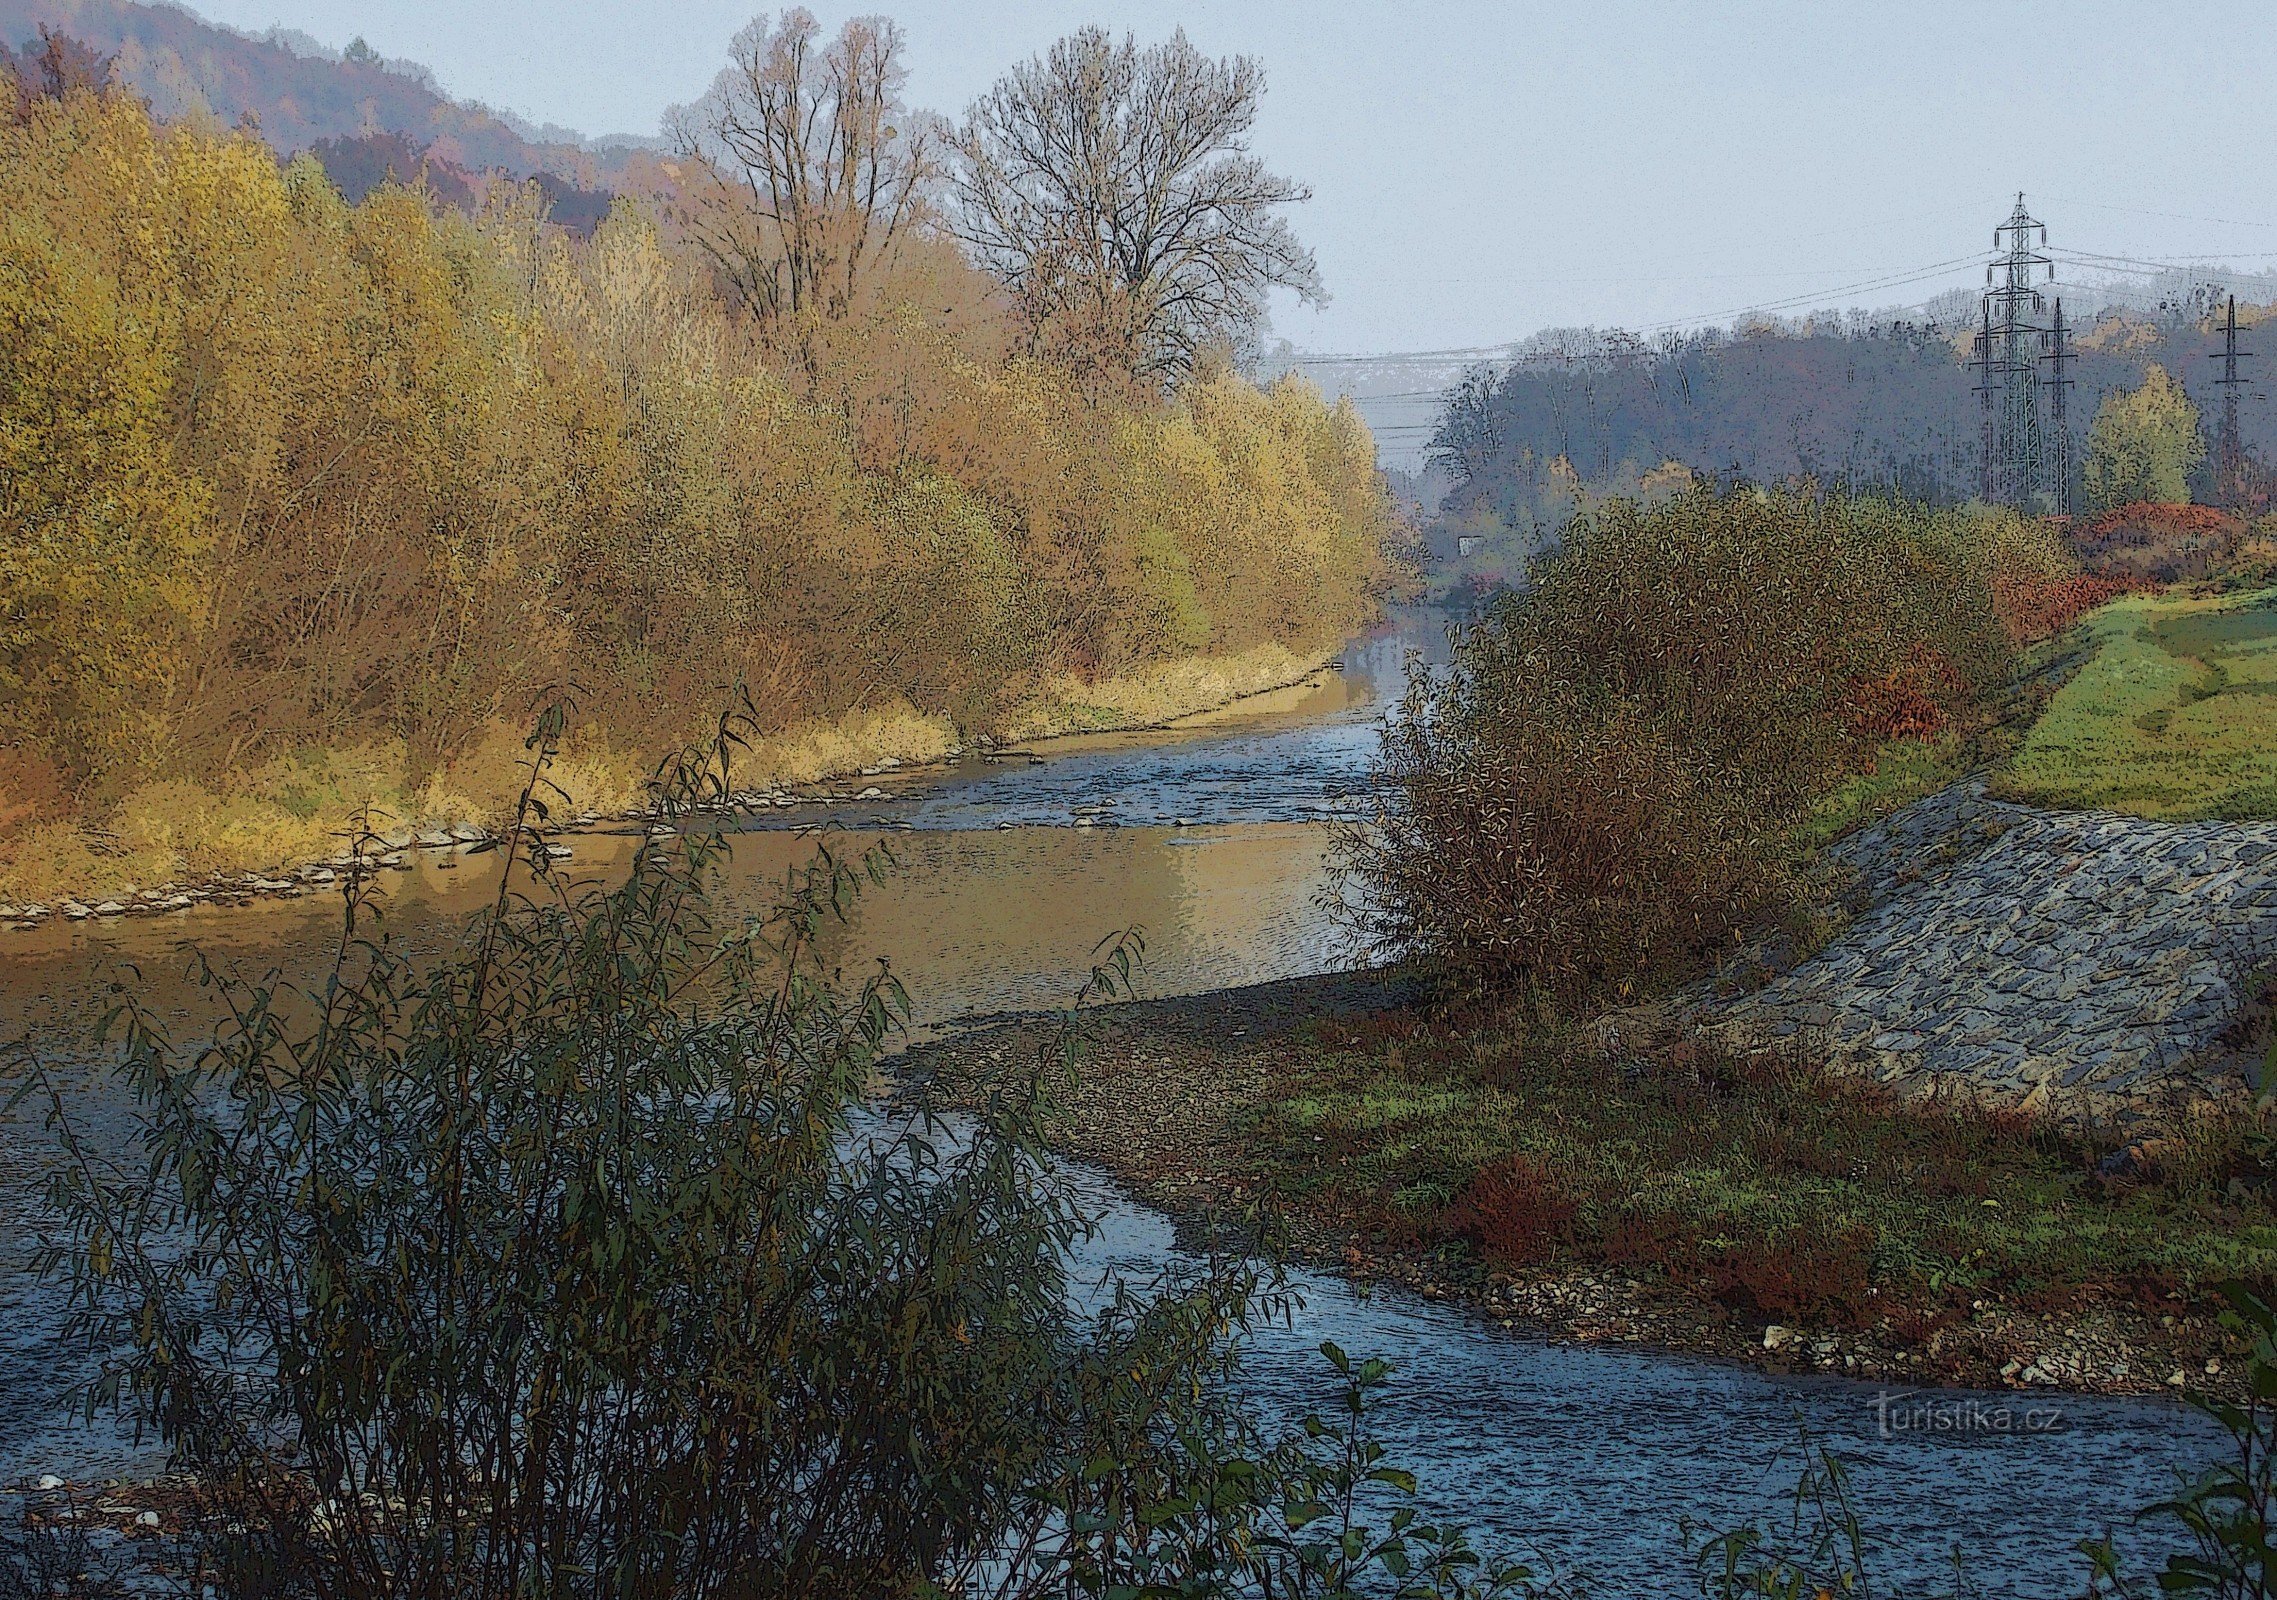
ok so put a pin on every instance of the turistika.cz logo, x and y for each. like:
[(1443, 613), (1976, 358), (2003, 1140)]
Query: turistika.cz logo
[(1913, 1413)]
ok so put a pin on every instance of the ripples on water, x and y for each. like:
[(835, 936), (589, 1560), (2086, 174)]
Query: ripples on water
[(1596, 1453)]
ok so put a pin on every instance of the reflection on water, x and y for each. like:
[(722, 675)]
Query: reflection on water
[(968, 920), (997, 905)]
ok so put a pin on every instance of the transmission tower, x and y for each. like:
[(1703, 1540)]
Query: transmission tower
[(1989, 445), (2009, 352), (2059, 424), (2229, 458)]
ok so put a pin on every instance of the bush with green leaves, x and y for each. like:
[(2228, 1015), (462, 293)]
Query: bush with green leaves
[(585, 1259)]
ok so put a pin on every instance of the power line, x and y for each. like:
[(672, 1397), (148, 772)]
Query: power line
[(2170, 216), (1899, 278), (1893, 281), (1890, 280), (2102, 262)]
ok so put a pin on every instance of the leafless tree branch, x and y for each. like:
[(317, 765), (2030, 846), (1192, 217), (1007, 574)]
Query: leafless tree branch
[(1113, 191)]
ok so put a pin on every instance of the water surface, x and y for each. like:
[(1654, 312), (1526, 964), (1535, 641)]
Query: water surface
[(1209, 838)]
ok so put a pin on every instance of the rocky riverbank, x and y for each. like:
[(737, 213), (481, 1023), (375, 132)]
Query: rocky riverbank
[(2083, 962), (1166, 1100)]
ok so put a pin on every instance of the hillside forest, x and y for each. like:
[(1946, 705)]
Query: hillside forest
[(309, 501)]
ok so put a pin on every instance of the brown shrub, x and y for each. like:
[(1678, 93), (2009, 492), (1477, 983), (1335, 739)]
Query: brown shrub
[(1602, 791), (2034, 606), (2154, 543), (1794, 1277), (1906, 702)]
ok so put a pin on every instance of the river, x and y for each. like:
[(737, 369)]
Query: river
[(1208, 837)]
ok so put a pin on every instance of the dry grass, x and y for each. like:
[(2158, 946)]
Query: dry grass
[(290, 810), (1159, 693), (811, 751), (296, 808)]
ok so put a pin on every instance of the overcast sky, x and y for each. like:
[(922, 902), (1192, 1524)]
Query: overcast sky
[(1481, 171)]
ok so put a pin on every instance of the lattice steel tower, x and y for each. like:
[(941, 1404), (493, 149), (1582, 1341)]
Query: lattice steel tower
[(2059, 414), (2229, 457), (2008, 354)]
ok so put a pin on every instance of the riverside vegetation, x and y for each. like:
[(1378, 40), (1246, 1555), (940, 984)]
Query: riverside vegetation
[(1624, 784), (306, 501), (580, 1261)]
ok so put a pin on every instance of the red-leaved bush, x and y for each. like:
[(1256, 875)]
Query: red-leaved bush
[(1516, 1212), (2157, 543), (2035, 605), (1908, 701)]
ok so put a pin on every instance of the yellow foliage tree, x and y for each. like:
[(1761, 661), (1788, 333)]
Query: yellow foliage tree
[(2144, 445), (287, 474)]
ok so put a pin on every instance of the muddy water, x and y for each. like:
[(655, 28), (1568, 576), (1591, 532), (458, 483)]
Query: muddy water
[(1208, 839)]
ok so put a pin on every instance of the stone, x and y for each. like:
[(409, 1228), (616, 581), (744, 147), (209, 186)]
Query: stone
[(1993, 944)]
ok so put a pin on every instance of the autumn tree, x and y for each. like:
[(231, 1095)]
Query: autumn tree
[(1113, 190), (811, 167), (59, 66), (2144, 445), (283, 476)]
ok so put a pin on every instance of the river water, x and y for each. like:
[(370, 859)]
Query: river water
[(1208, 838)]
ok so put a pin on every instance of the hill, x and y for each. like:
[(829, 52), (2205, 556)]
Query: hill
[(302, 96)]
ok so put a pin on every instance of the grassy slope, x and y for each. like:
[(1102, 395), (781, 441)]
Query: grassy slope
[(2174, 716)]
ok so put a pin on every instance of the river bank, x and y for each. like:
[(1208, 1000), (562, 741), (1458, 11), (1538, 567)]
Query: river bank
[(1241, 1109), (324, 815)]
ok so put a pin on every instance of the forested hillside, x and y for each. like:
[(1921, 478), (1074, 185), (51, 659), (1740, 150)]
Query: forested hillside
[(1883, 405), (309, 503), (184, 66)]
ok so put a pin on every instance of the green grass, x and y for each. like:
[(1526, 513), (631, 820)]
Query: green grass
[(1904, 771), (2174, 715), (1776, 1187)]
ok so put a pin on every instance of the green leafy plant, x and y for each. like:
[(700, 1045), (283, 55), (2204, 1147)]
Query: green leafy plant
[(585, 1258)]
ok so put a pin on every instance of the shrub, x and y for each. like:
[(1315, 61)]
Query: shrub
[(2148, 542), (1602, 790), (577, 1261), (1797, 1277), (2033, 606)]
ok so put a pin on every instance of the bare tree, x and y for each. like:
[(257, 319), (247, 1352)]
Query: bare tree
[(1468, 437), (812, 167), (1113, 191)]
